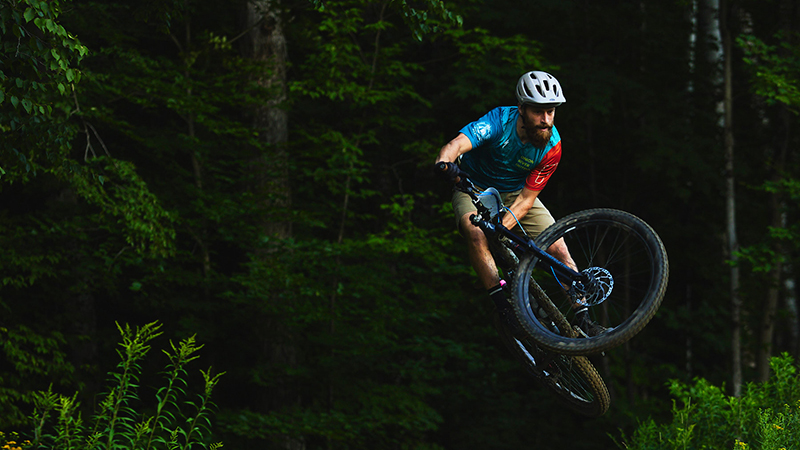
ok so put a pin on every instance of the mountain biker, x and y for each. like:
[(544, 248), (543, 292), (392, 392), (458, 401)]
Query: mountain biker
[(514, 149)]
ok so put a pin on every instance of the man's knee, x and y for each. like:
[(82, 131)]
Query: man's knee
[(473, 235), (558, 248)]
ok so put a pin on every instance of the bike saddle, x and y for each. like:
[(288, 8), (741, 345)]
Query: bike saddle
[(490, 198)]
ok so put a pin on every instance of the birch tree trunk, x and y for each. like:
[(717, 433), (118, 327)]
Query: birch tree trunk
[(790, 300), (713, 49)]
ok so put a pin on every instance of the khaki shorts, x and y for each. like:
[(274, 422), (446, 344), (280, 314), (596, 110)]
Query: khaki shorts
[(535, 221)]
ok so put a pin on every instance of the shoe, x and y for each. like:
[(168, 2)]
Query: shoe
[(586, 326), (509, 321)]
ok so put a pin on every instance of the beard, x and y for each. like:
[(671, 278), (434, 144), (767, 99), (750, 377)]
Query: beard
[(538, 136)]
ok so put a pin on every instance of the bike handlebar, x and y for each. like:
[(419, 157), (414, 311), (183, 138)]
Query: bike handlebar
[(454, 174), (449, 170)]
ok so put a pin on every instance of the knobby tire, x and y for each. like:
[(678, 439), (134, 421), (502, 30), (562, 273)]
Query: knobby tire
[(615, 240), (573, 379)]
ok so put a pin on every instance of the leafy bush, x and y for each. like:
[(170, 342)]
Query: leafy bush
[(765, 417), (175, 422)]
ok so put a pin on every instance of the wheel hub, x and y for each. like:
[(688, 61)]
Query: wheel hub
[(598, 286)]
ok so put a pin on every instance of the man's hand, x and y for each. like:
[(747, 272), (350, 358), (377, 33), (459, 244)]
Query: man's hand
[(447, 171)]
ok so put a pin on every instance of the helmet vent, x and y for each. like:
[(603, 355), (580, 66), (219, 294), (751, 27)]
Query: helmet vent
[(527, 91), (536, 87)]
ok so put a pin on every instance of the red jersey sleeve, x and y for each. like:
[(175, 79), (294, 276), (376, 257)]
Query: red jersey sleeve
[(541, 173)]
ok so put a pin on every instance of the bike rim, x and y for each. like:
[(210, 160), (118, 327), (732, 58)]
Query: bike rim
[(617, 248), (560, 372)]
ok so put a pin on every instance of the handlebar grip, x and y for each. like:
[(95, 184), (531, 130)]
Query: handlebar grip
[(449, 170)]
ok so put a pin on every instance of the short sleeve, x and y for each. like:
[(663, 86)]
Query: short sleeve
[(542, 172)]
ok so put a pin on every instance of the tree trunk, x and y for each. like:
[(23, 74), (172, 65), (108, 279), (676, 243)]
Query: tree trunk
[(790, 300), (200, 232), (770, 309), (266, 43), (773, 294), (730, 207), (776, 164)]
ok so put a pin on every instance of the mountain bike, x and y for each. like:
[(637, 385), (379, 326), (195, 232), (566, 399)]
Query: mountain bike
[(622, 279), (573, 379)]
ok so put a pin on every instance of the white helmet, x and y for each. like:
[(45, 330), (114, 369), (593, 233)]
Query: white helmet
[(539, 88)]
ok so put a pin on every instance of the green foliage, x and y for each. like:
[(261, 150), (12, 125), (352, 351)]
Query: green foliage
[(418, 19), (362, 329), (126, 206), (488, 64), (765, 417), (30, 357), (330, 301), (38, 74), (774, 68), (178, 420)]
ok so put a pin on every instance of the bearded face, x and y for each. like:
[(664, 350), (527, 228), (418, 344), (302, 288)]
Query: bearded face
[(537, 124)]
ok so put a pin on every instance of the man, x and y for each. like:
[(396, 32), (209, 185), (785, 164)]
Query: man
[(515, 150)]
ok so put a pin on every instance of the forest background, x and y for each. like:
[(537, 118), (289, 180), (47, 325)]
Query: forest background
[(257, 174)]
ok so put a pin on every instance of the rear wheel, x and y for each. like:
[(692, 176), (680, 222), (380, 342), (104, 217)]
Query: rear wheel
[(573, 379), (618, 249)]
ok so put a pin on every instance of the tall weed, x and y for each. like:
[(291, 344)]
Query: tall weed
[(178, 421)]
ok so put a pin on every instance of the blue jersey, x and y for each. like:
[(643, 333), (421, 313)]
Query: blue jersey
[(498, 158)]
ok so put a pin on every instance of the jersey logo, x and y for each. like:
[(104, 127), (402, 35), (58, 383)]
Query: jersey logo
[(525, 163), (544, 174), (482, 130)]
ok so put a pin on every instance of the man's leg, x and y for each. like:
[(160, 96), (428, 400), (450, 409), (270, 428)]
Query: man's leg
[(478, 249), (536, 221), (560, 251), (479, 254)]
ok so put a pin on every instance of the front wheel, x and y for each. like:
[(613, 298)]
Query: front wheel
[(612, 244), (573, 379)]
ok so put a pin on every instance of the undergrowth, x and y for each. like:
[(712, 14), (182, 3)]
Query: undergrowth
[(765, 417), (178, 421)]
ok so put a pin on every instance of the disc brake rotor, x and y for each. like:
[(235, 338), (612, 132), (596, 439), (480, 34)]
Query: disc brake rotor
[(598, 287)]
